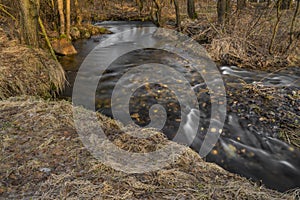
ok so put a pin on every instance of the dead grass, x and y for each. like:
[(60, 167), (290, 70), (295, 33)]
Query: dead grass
[(38, 135), (246, 39), (24, 70)]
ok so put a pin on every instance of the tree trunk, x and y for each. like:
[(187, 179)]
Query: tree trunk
[(60, 5), (191, 9), (224, 9), (68, 18), (177, 10), (228, 10), (285, 4), (157, 12), (241, 4), (78, 13), (221, 6), (29, 20)]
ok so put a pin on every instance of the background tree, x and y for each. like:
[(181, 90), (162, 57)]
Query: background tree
[(191, 9), (285, 4), (224, 9), (68, 18), (29, 21), (241, 4), (177, 12), (78, 13), (156, 13), (60, 6)]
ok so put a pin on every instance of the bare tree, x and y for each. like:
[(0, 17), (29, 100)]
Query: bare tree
[(78, 13), (156, 13), (191, 9), (29, 20), (241, 4), (60, 6), (68, 18), (285, 4), (177, 10), (224, 9)]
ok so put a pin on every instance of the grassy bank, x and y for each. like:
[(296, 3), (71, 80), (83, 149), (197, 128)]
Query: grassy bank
[(25, 70), (43, 158)]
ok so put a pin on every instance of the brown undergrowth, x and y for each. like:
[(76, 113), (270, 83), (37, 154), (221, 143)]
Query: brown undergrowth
[(25, 70), (42, 157), (245, 41)]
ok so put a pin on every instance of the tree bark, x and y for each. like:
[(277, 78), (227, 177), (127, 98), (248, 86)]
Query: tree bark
[(157, 12), (285, 4), (221, 6), (29, 20), (228, 10), (177, 10), (68, 18), (60, 5), (191, 9), (224, 9), (241, 4)]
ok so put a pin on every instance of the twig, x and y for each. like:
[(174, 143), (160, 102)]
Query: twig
[(2, 7), (275, 30), (47, 39), (293, 25)]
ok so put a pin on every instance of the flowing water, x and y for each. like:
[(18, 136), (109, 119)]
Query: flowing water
[(246, 146)]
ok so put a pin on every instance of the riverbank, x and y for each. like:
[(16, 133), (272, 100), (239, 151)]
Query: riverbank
[(28, 71), (43, 158)]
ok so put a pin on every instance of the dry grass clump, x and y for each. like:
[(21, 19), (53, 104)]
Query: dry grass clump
[(246, 40), (24, 70), (42, 157)]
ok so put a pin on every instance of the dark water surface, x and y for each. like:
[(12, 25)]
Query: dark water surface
[(246, 146)]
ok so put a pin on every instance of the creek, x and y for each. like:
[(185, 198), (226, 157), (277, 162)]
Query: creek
[(248, 145)]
